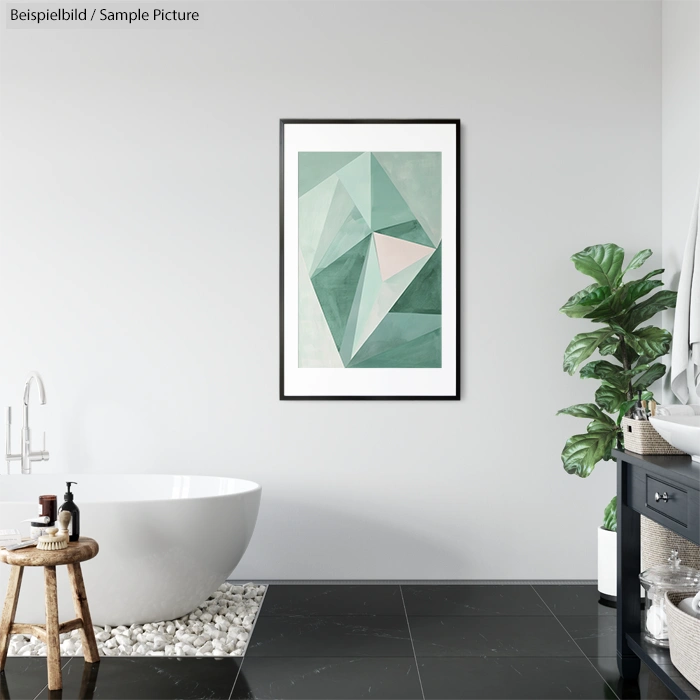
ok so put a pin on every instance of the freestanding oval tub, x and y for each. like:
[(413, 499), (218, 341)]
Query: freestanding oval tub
[(166, 542)]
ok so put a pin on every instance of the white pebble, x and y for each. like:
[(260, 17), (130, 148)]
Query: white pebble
[(219, 627)]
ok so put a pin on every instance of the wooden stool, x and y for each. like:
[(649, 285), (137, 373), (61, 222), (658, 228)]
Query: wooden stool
[(76, 552)]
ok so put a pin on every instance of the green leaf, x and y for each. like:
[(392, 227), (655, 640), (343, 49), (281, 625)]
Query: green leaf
[(610, 346), (586, 410), (648, 308), (582, 452), (610, 397), (602, 369), (637, 261), (582, 347), (599, 369), (636, 290), (650, 341), (601, 262), (580, 303), (610, 516), (653, 273), (599, 426), (649, 376), (612, 306), (624, 407)]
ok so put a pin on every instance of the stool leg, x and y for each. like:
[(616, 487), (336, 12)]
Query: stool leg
[(8, 612), (82, 610), (53, 644)]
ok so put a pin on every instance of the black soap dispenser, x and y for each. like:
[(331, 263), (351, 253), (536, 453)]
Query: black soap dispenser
[(69, 505)]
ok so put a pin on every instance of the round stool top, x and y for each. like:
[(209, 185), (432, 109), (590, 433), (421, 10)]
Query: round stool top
[(82, 550)]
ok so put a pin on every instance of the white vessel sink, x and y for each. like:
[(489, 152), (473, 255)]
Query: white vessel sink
[(683, 432)]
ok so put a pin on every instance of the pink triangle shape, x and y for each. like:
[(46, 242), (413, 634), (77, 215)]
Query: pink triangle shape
[(395, 254)]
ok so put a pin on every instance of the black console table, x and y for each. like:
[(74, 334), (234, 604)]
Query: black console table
[(665, 489)]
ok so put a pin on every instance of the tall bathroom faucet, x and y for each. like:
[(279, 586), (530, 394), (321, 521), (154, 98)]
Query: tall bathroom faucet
[(26, 456)]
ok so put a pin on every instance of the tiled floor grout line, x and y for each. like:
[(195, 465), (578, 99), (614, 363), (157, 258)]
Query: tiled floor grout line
[(46, 685), (235, 680), (612, 690), (410, 635)]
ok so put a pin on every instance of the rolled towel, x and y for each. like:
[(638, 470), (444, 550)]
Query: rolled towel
[(691, 606), (678, 410), (657, 624)]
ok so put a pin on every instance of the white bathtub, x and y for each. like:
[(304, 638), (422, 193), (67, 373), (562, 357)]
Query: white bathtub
[(166, 542)]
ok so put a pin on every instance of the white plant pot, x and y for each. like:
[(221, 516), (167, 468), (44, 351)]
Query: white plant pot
[(607, 566)]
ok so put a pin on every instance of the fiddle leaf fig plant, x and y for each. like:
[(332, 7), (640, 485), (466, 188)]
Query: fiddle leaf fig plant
[(628, 352), (610, 516)]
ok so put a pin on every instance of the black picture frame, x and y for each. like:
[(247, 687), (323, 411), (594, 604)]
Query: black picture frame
[(458, 235)]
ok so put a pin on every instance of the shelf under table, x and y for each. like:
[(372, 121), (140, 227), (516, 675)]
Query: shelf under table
[(658, 660)]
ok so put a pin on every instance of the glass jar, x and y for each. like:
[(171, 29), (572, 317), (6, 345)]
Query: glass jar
[(656, 581)]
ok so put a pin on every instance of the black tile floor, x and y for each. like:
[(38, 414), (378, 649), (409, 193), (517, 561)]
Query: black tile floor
[(386, 642)]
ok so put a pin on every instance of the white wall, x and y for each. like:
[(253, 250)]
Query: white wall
[(139, 268), (680, 137)]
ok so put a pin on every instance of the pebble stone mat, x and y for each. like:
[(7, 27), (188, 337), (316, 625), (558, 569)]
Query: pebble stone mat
[(221, 626)]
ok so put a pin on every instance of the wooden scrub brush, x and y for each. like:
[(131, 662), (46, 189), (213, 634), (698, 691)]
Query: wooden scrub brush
[(51, 541), (54, 540)]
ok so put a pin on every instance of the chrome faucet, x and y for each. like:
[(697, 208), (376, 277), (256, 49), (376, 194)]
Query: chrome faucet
[(26, 456)]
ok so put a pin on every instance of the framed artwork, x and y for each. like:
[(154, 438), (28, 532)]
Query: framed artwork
[(369, 268)]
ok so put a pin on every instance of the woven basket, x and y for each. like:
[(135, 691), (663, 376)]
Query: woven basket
[(641, 437), (683, 638), (658, 541)]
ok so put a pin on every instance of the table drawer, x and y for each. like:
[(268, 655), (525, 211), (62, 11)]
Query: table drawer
[(667, 499)]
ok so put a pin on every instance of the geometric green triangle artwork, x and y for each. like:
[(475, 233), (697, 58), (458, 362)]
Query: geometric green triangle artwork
[(366, 252), (370, 243)]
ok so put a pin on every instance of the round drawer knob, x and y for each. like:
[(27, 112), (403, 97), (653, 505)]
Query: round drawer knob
[(661, 497)]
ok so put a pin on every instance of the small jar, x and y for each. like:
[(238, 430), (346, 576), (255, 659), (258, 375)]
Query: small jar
[(657, 581), (48, 508), (37, 527)]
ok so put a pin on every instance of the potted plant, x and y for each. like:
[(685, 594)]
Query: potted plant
[(618, 308), (607, 555)]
